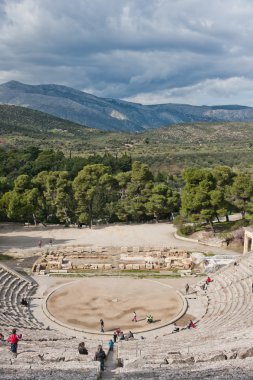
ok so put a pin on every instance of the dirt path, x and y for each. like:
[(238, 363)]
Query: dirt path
[(16, 238)]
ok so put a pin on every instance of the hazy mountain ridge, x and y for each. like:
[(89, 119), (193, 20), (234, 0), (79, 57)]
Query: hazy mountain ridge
[(112, 114)]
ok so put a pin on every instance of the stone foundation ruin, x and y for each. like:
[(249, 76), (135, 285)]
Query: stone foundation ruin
[(78, 259)]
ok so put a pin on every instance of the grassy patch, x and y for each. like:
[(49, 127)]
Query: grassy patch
[(139, 274), (231, 226), (5, 257)]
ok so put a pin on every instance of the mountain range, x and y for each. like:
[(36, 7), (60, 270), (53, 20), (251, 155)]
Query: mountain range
[(112, 114)]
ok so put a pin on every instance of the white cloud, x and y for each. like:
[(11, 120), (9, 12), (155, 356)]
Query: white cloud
[(172, 50), (209, 92)]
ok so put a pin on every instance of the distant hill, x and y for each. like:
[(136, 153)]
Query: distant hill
[(111, 114), (21, 126), (168, 149)]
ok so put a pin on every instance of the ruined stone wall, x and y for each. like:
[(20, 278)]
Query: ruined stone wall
[(71, 259)]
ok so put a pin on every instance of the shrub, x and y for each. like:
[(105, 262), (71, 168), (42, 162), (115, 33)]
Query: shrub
[(187, 229)]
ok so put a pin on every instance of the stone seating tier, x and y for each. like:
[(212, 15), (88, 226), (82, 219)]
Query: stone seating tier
[(224, 330), (13, 288), (226, 326)]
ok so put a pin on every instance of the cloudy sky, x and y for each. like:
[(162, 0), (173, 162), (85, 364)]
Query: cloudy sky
[(147, 51)]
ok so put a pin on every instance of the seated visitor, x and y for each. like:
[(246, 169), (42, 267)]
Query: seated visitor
[(149, 318), (175, 329), (121, 336), (82, 349), (129, 335), (24, 302)]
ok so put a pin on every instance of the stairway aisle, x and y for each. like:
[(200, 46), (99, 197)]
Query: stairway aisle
[(111, 365)]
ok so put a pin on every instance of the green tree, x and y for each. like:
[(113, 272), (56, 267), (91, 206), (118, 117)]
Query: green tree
[(90, 183), (55, 196), (240, 193), (18, 202), (135, 189), (196, 195), (223, 176), (162, 201)]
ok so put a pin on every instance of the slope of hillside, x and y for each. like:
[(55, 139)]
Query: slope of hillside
[(112, 114), (169, 149), (22, 126)]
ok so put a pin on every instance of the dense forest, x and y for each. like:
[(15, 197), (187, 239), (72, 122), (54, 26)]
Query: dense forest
[(46, 186)]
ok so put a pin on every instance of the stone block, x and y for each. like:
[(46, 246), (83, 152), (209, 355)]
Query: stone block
[(189, 360), (245, 353), (218, 357)]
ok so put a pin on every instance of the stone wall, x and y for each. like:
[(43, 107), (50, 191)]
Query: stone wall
[(112, 258)]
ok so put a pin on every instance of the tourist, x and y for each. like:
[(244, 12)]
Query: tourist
[(191, 325), (82, 349), (13, 340), (110, 344), (40, 243), (208, 280), (24, 302), (149, 318), (175, 329), (115, 335), (102, 326), (51, 242), (129, 335), (134, 317), (100, 357), (121, 336), (187, 287), (1, 337)]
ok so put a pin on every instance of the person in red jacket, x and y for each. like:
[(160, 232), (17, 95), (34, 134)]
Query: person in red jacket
[(191, 325), (13, 340)]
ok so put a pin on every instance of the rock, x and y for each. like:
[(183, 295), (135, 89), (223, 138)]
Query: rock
[(245, 353), (215, 358), (218, 357), (232, 355), (189, 360)]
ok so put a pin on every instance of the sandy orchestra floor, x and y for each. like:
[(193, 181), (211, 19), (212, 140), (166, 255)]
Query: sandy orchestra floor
[(84, 302)]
